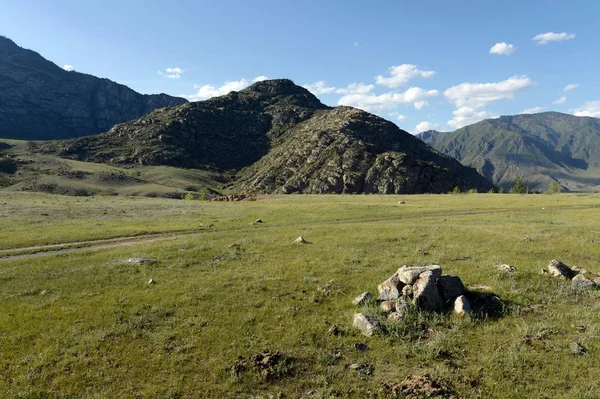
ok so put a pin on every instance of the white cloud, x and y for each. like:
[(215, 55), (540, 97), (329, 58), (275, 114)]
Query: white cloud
[(477, 95), (502, 48), (466, 115), (68, 67), (356, 88), (424, 126), (560, 100), (319, 88), (356, 44), (397, 115), (377, 103), (208, 91), (548, 37), (591, 108), (571, 86), (420, 104), (402, 74), (171, 73), (260, 78), (533, 110)]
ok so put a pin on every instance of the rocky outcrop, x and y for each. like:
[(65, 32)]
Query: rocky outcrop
[(39, 100), (277, 137)]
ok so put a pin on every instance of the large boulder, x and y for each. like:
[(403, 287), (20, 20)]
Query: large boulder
[(409, 274), (425, 292), (366, 324), (389, 290), (450, 287)]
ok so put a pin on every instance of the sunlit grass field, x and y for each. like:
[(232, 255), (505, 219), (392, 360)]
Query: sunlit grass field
[(86, 324)]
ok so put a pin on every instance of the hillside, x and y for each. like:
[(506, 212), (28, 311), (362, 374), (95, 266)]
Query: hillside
[(275, 136), (543, 148), (40, 101)]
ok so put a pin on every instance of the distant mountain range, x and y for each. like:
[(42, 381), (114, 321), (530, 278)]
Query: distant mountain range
[(40, 101), (275, 136), (542, 148)]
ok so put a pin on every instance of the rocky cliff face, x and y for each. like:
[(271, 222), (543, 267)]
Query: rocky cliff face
[(39, 100), (275, 136)]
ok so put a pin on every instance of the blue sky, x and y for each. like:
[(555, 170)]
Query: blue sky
[(422, 64)]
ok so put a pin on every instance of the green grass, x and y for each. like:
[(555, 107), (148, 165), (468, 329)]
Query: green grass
[(103, 332)]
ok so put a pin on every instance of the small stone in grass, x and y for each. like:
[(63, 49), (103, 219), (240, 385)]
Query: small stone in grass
[(362, 299), (300, 240)]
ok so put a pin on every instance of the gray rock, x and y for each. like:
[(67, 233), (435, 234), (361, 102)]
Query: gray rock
[(366, 324), (362, 299), (559, 269), (45, 292), (577, 349), (450, 287), (409, 274), (300, 240), (140, 261), (506, 268), (388, 306), (462, 306), (389, 289), (407, 291), (581, 282), (151, 281), (425, 293)]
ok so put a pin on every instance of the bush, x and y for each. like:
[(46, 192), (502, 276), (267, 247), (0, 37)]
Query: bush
[(501, 190), (189, 197), (519, 187), (472, 191), (456, 190), (554, 187)]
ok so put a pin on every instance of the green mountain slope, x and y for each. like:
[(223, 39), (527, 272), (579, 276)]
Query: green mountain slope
[(543, 148), (275, 136), (41, 101)]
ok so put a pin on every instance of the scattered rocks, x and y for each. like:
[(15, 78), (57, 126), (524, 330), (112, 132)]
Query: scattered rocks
[(462, 306), (361, 346), (389, 289), (270, 365), (409, 274), (426, 295), (366, 324), (141, 261), (151, 281), (577, 349), (258, 221), (559, 269), (506, 268), (300, 240), (580, 282), (334, 330), (362, 299)]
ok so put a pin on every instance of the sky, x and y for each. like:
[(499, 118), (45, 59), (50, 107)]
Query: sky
[(423, 64)]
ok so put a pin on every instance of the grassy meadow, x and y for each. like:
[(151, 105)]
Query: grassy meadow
[(86, 324)]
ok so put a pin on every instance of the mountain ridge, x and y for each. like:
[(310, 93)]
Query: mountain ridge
[(39, 100), (275, 136), (544, 148)]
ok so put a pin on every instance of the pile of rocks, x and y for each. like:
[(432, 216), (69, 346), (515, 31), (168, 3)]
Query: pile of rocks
[(422, 287), (576, 275)]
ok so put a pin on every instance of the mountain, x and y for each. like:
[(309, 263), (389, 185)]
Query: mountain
[(429, 136), (543, 148), (39, 100), (275, 136)]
